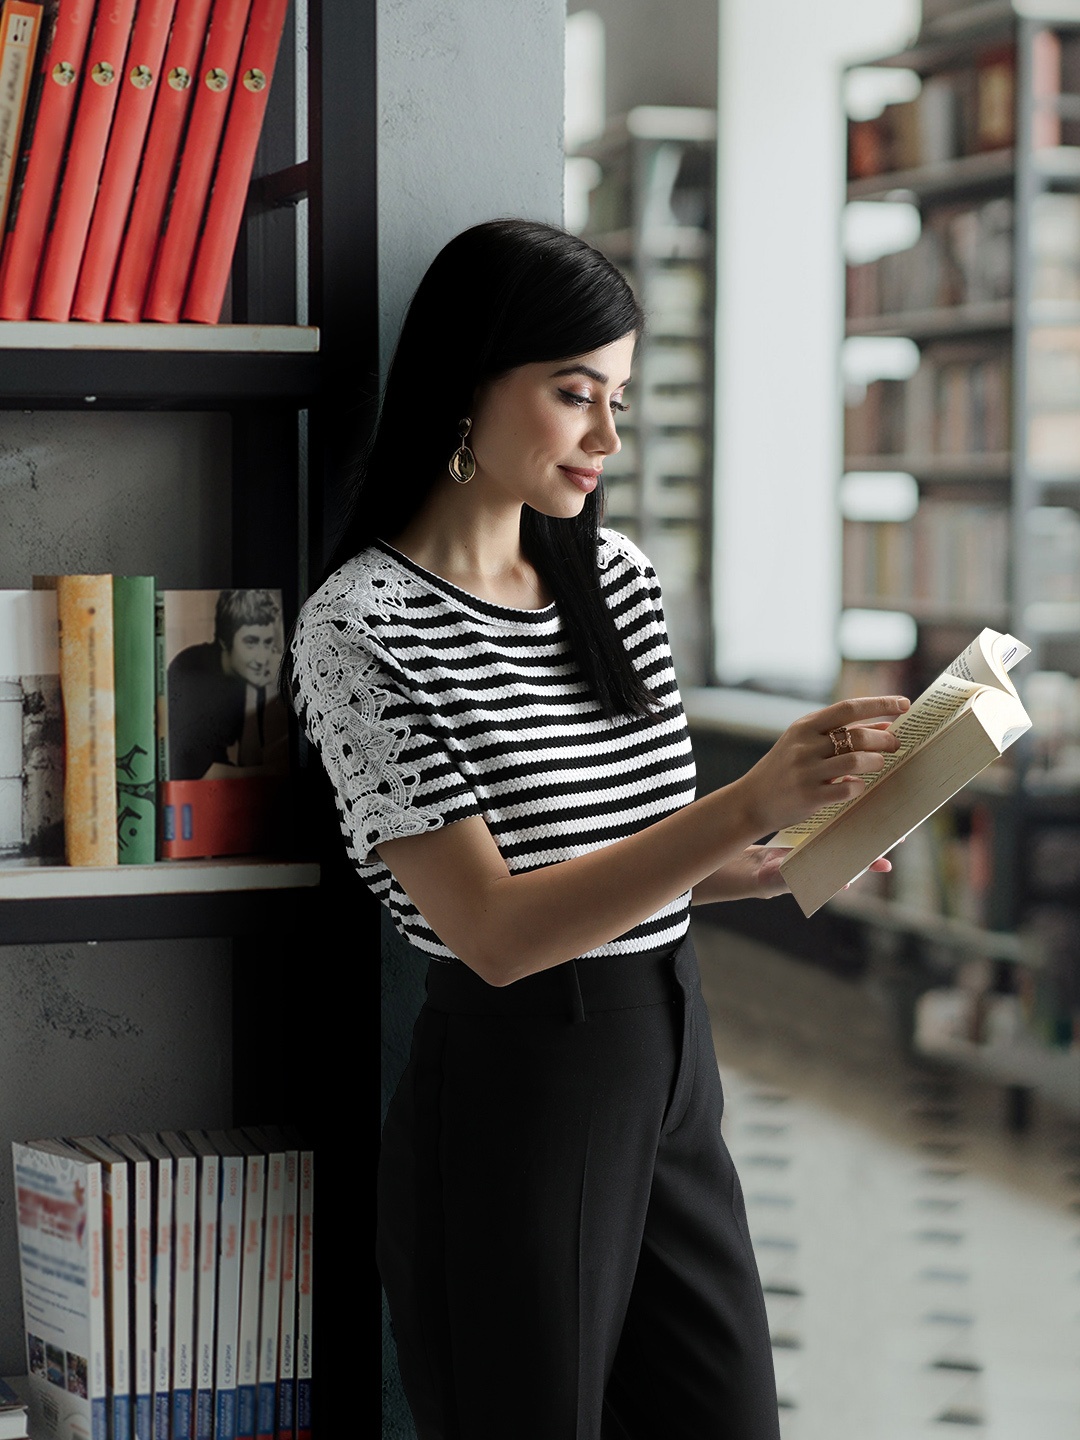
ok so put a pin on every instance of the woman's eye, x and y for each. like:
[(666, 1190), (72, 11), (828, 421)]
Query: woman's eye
[(573, 398), (619, 407)]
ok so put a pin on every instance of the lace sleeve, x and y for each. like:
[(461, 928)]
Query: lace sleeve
[(392, 773)]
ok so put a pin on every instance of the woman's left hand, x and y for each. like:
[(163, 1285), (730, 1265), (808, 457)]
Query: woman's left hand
[(753, 875)]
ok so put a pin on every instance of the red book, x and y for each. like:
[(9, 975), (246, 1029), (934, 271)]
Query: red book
[(176, 248), (142, 73), (104, 69), (204, 818), (171, 105), (213, 257), (31, 205)]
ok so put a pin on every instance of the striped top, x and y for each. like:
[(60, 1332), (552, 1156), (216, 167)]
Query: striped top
[(428, 705)]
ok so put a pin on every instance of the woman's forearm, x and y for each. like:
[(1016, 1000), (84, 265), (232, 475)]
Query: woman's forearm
[(506, 926)]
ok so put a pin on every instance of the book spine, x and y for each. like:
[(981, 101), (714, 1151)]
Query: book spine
[(138, 89), (286, 1399), (172, 264), (266, 1395), (28, 218), (250, 1294), (163, 1264), (185, 1201), (84, 608), (161, 719), (142, 1281), (157, 170), (21, 22), (206, 1294), (228, 1298), (255, 72), (204, 818), (304, 1316), (82, 166), (136, 742)]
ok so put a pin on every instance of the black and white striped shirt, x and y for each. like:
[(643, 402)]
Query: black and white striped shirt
[(428, 705)]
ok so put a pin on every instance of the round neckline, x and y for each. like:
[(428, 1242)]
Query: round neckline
[(472, 601)]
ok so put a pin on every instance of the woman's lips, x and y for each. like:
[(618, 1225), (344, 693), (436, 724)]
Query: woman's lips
[(584, 479)]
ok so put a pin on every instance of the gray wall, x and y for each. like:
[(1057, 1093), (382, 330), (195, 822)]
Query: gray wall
[(470, 128), (470, 96), (129, 1035)]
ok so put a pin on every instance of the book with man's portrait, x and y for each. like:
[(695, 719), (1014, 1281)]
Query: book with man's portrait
[(222, 725)]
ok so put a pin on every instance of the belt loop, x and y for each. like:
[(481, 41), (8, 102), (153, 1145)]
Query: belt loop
[(577, 1005)]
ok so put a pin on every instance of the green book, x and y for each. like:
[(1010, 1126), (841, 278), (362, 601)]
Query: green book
[(136, 742)]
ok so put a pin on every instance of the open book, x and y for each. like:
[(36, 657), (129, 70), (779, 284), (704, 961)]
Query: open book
[(957, 726)]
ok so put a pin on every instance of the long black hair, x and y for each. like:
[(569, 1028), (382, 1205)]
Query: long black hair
[(502, 294)]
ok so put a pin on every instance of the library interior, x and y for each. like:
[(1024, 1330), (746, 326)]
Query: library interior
[(851, 452)]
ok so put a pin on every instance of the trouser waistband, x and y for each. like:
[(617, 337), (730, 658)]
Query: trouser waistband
[(577, 987)]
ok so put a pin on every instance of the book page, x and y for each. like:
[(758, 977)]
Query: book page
[(929, 714), (987, 659)]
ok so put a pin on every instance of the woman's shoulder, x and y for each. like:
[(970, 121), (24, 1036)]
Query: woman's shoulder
[(368, 588), (613, 547)]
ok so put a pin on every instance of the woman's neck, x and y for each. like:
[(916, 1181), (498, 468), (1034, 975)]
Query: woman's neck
[(476, 545)]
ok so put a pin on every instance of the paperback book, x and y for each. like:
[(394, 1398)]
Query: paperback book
[(961, 723), (59, 1220)]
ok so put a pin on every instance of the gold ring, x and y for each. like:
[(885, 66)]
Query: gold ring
[(842, 743)]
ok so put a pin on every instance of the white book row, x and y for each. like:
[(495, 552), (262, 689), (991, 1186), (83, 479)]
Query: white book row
[(166, 1281)]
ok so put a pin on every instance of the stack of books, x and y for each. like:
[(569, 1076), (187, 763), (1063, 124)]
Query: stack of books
[(167, 1284), (139, 724), (127, 141)]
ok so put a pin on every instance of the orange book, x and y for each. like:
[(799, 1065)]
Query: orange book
[(84, 609), (104, 70), (213, 257), (176, 248), (142, 74), (20, 28), (43, 155)]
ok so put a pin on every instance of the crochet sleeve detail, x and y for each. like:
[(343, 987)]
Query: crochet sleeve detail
[(376, 744)]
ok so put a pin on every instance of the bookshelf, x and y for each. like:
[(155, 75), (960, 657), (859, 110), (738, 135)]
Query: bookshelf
[(651, 213), (278, 397), (961, 493)]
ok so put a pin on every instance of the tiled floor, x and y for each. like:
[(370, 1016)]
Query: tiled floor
[(921, 1261)]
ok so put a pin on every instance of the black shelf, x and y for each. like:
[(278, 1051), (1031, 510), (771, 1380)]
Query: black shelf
[(261, 914), (153, 379)]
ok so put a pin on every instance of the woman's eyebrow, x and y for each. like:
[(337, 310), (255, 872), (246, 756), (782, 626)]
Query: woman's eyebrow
[(597, 375)]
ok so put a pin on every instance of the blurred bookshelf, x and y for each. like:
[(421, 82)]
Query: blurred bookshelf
[(651, 210), (961, 501)]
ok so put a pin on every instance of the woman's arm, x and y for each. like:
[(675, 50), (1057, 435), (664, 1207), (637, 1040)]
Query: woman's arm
[(507, 926)]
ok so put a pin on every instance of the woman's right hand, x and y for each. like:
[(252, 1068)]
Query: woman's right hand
[(805, 769)]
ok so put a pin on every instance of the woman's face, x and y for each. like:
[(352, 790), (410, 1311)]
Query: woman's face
[(542, 432)]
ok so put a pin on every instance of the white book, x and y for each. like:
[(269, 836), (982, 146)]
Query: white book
[(60, 1224), (304, 1277), (118, 1240), (142, 1266), (185, 1231), (163, 1165), (230, 1246), (270, 1304), (251, 1273), (31, 728), (206, 1270), (287, 1326)]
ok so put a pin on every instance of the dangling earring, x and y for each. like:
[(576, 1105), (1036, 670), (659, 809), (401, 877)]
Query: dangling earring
[(462, 463)]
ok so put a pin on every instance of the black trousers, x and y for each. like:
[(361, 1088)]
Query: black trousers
[(562, 1235)]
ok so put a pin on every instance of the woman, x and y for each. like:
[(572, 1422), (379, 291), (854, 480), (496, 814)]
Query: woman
[(487, 678)]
